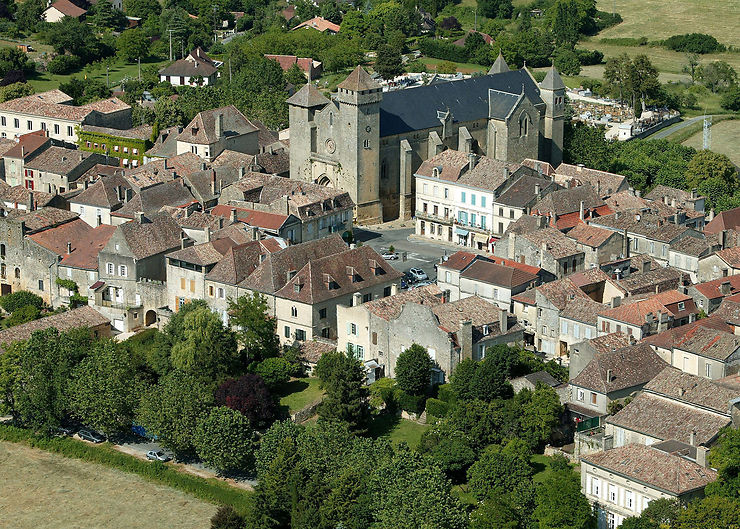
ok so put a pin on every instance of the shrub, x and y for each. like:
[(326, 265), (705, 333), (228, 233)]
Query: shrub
[(414, 370), (437, 408), (693, 43), (226, 517), (274, 371), (23, 315), (416, 67), (441, 49), (381, 392), (22, 298), (63, 64), (409, 403), (223, 439), (731, 100), (447, 67), (446, 393), (589, 57)]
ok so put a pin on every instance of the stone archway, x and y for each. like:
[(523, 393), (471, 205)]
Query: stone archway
[(150, 318), (324, 181)]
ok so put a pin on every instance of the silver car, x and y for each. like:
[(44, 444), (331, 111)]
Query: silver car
[(157, 455)]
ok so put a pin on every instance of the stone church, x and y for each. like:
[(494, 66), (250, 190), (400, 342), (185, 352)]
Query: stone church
[(370, 143)]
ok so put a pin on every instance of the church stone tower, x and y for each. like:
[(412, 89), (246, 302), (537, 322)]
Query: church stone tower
[(358, 138), (552, 92)]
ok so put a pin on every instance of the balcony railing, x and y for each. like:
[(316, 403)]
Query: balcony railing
[(425, 215)]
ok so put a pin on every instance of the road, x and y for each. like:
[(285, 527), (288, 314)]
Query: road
[(419, 254), (662, 134)]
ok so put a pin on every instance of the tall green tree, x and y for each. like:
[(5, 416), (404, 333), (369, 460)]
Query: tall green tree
[(104, 389), (388, 62), (713, 512), (413, 370), (541, 414), (255, 329), (171, 409), (561, 505), (346, 395), (207, 348), (224, 439), (643, 81), (617, 75), (717, 76), (498, 472), (132, 44)]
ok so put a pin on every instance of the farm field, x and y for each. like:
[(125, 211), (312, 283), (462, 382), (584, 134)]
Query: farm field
[(659, 19), (724, 139), (44, 490)]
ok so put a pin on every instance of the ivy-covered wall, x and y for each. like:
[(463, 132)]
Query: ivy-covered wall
[(106, 144)]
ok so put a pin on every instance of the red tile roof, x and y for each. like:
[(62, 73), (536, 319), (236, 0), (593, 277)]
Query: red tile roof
[(55, 239), (731, 256), (260, 219), (589, 235), (727, 220), (459, 260), (514, 264), (320, 24), (68, 8), (85, 251)]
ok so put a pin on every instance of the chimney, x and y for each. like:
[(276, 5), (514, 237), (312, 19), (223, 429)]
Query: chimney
[(69, 248), (673, 202), (232, 216), (213, 181), (724, 288), (512, 245), (394, 289), (182, 241), (580, 210), (255, 233), (710, 217), (356, 299), (598, 187), (692, 439), (638, 193), (471, 161), (723, 239), (701, 456), (681, 391), (617, 214), (579, 167), (203, 166), (537, 190), (503, 321), (207, 234), (676, 219), (646, 267), (31, 201), (465, 339), (507, 172), (608, 376), (637, 217), (242, 171), (140, 217), (219, 126)]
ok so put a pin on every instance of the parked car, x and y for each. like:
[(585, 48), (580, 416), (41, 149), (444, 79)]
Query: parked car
[(418, 274), (157, 455), (389, 256), (92, 436), (66, 431), (423, 284)]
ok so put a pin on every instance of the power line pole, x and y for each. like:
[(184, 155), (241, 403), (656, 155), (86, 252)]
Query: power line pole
[(170, 31), (139, 59)]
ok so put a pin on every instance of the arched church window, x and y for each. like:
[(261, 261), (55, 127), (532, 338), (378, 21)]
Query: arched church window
[(524, 125), (331, 118), (367, 144)]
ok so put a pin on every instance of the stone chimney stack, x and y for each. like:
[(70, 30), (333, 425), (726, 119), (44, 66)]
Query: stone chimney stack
[(233, 216), (69, 248), (537, 190), (219, 126), (472, 160), (692, 438), (608, 376), (701, 455), (213, 181), (504, 321), (356, 299), (580, 210), (394, 289), (207, 234)]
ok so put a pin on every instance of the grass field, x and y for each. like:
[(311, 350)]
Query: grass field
[(299, 393), (397, 429), (724, 139), (659, 19), (43, 490), (463, 67)]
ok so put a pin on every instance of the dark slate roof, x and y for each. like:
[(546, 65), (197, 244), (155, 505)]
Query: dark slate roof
[(552, 80), (308, 97), (359, 80), (416, 109)]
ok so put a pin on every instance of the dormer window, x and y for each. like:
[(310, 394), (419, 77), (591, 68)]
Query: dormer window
[(486, 330), (681, 305)]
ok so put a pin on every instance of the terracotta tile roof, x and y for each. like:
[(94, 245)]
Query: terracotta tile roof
[(544, 377), (606, 183), (58, 160), (584, 310), (240, 261), (313, 350), (22, 195), (713, 289), (556, 243), (538, 165), (85, 251), (609, 342), (731, 256), (56, 239), (497, 274), (202, 128), (564, 201), (28, 144), (692, 389), (694, 246), (389, 308), (320, 24), (708, 342), (5, 145), (84, 316), (42, 219), (152, 199), (524, 191), (260, 219), (591, 276), (68, 8), (142, 132), (646, 224), (664, 278), (158, 233), (486, 38), (514, 264), (630, 366), (589, 235), (454, 166), (276, 161), (459, 260), (665, 418), (528, 297), (661, 193), (634, 312), (195, 64), (329, 277), (228, 157), (107, 106), (479, 311), (668, 338), (560, 292), (103, 193), (653, 467), (271, 274), (726, 220), (203, 254), (287, 61)]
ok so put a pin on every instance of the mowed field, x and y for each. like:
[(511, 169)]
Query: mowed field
[(725, 136), (40, 490), (659, 19)]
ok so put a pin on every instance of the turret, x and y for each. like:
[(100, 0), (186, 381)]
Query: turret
[(552, 92)]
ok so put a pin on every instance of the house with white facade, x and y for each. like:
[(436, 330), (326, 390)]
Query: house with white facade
[(197, 69)]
